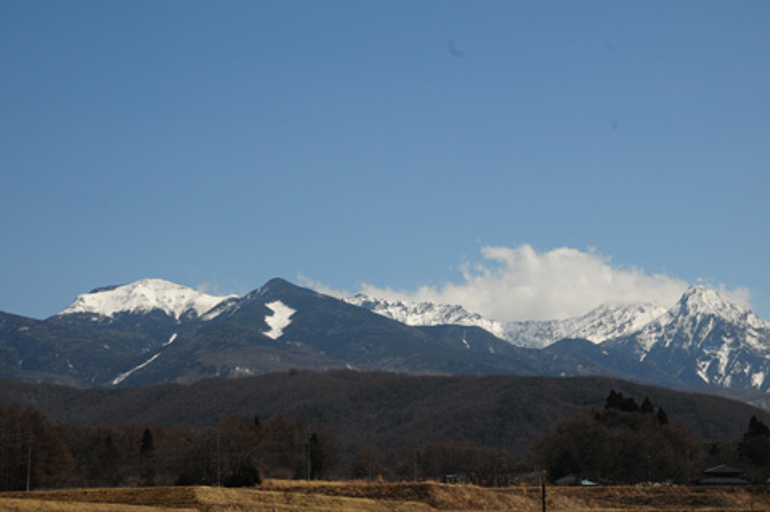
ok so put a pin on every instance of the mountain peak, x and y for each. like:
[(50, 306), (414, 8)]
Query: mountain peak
[(703, 300), (277, 287), (143, 296), (278, 282)]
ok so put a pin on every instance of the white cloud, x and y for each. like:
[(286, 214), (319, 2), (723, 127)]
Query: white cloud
[(521, 284), (515, 284), (739, 295)]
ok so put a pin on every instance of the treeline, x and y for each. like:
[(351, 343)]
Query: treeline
[(621, 442), (36, 453)]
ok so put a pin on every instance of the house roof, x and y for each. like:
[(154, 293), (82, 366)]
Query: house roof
[(723, 470)]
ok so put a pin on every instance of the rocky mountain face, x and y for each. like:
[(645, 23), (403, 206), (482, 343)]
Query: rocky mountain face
[(153, 331), (704, 340)]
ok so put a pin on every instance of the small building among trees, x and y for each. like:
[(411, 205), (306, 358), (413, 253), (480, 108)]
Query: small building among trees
[(723, 475)]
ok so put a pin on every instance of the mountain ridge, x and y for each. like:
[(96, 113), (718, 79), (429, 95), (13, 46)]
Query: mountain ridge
[(606, 321), (153, 333)]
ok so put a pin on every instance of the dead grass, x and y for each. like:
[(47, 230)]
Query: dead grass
[(436, 496), (46, 505), (163, 497), (292, 496), (202, 499)]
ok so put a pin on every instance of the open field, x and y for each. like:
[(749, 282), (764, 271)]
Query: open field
[(401, 497)]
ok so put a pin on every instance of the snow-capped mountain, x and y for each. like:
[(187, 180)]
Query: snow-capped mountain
[(605, 322), (143, 297), (704, 340), (281, 326), (426, 313), (154, 331)]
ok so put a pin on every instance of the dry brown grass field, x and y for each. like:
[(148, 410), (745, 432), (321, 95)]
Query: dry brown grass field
[(290, 496)]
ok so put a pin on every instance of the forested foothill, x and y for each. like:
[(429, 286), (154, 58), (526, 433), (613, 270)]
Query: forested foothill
[(345, 425)]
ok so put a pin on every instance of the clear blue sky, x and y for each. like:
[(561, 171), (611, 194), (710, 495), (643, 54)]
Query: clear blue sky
[(221, 144)]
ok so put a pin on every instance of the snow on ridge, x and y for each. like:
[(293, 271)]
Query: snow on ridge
[(650, 323), (602, 323), (143, 296), (426, 313), (612, 320), (607, 321), (279, 320)]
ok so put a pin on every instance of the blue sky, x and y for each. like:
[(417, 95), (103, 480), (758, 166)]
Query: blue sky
[(392, 146)]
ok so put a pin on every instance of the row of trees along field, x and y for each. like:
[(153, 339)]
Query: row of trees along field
[(622, 443), (36, 453)]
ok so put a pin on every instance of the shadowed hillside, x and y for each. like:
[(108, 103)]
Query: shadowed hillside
[(385, 409)]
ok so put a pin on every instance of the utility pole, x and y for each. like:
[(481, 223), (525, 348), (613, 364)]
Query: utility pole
[(369, 449), (308, 454), (219, 461), (369, 464), (414, 460), (29, 463)]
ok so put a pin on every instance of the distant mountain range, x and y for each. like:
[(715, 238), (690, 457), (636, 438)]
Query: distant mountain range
[(603, 323), (154, 331)]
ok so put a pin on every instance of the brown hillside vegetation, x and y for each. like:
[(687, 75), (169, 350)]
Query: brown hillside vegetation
[(406, 497)]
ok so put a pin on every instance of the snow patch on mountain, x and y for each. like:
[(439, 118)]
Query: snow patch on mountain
[(279, 320), (123, 376), (145, 296)]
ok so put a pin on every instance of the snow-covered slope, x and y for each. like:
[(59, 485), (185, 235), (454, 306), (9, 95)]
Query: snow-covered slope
[(610, 321), (142, 297), (426, 313), (605, 322), (705, 340)]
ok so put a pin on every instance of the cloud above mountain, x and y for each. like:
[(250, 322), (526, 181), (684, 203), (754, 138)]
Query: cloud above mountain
[(520, 283)]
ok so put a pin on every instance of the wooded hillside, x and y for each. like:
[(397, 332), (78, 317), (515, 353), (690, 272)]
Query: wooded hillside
[(385, 409), (345, 424)]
